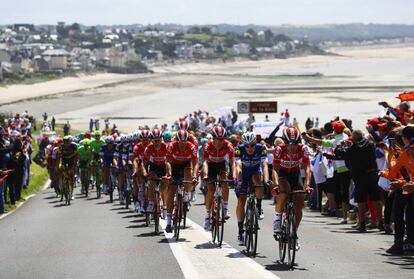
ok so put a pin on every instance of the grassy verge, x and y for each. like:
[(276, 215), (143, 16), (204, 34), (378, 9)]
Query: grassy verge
[(38, 177)]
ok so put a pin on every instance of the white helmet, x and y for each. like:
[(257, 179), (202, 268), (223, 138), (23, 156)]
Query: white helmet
[(118, 140), (109, 139), (248, 138), (124, 138)]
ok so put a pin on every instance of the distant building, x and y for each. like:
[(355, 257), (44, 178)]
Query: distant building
[(5, 55), (57, 58)]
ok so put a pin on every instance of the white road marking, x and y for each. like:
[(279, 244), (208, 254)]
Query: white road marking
[(199, 258)]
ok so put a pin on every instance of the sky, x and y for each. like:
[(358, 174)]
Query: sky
[(261, 12)]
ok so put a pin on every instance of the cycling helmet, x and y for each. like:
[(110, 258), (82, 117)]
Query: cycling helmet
[(166, 136), (97, 134), (182, 135), (81, 135), (218, 132), (248, 138), (58, 141), (86, 142), (66, 138), (109, 139), (135, 136), (75, 139), (114, 135), (145, 134), (291, 135), (123, 138), (156, 134), (87, 135), (118, 140), (184, 125)]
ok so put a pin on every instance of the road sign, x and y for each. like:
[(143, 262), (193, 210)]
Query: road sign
[(257, 107), (243, 107)]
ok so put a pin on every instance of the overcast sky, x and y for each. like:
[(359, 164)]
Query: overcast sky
[(266, 12)]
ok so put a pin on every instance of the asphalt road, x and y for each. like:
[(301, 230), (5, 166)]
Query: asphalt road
[(95, 239)]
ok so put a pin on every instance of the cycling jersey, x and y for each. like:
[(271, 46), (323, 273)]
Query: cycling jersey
[(177, 156), (85, 155), (212, 155), (96, 146), (121, 153), (157, 157), (291, 162), (107, 155), (51, 152), (139, 150), (253, 161), (251, 165), (68, 154)]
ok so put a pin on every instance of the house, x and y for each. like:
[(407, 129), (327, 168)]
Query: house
[(41, 64), (5, 55), (57, 58), (241, 49)]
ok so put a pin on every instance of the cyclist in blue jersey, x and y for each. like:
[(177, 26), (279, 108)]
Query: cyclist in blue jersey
[(251, 167), (107, 159)]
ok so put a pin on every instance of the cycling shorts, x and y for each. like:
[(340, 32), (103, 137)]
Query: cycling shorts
[(215, 169), (177, 171), (247, 177), (159, 170), (294, 179)]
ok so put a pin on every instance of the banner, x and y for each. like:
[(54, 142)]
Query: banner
[(264, 128), (406, 96)]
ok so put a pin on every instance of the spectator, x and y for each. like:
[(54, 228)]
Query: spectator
[(53, 123), (308, 124), (91, 122), (266, 118), (66, 128), (44, 116), (97, 124), (106, 124)]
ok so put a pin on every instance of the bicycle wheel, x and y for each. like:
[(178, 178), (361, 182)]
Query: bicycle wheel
[(291, 245), (111, 189), (157, 212), (84, 178), (282, 239), (185, 209), (247, 227), (213, 221), (67, 190), (254, 230), (178, 217), (220, 222)]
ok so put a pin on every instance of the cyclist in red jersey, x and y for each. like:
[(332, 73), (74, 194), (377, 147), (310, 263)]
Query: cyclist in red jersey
[(184, 125), (183, 157), (216, 154), (289, 158), (155, 158), (140, 171)]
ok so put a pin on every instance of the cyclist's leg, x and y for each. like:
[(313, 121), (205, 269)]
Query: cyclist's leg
[(241, 193), (259, 192), (106, 178), (151, 191), (188, 187), (298, 199), (121, 177), (284, 188)]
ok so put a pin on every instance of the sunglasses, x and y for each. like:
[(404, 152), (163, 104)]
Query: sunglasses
[(250, 145)]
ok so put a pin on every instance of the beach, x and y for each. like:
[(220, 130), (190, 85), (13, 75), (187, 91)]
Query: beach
[(349, 85)]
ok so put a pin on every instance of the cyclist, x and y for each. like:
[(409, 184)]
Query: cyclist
[(85, 158), (216, 152), (107, 156), (67, 158), (288, 160), (184, 125), (96, 145), (139, 171), (155, 157), (251, 167), (52, 152), (183, 157)]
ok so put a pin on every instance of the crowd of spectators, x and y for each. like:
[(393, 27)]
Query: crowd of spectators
[(15, 152)]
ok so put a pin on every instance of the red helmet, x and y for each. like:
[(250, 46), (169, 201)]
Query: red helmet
[(88, 135), (291, 135), (182, 135), (156, 134), (114, 135), (145, 134), (218, 132), (184, 125), (58, 141)]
